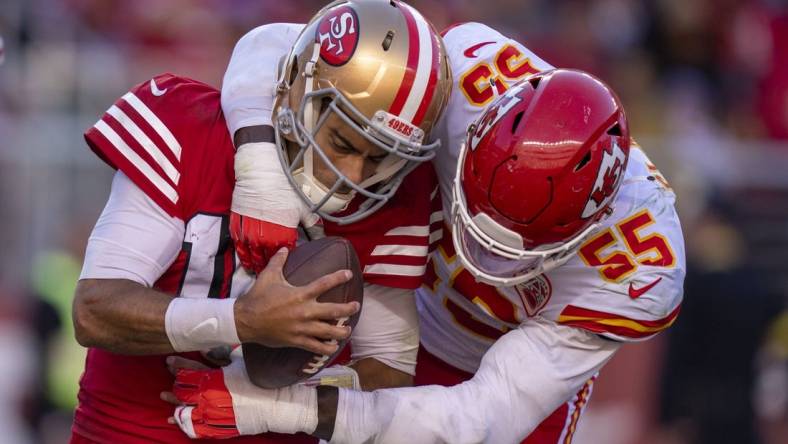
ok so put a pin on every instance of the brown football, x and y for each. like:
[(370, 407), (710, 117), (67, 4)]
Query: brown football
[(278, 367)]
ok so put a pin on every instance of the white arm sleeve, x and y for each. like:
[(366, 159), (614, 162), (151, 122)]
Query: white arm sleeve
[(249, 84), (388, 328), (262, 190), (133, 238), (523, 378)]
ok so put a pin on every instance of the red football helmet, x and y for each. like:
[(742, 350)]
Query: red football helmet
[(537, 174)]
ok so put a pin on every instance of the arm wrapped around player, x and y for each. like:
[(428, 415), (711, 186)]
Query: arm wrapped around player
[(530, 371), (223, 403), (266, 210)]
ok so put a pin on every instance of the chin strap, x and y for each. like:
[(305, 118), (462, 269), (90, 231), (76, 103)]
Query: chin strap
[(310, 116), (309, 184), (315, 191)]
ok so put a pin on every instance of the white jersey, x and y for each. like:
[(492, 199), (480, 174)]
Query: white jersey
[(626, 281), (533, 346), (484, 64), (249, 84)]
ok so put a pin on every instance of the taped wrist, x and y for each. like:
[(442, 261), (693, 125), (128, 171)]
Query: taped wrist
[(199, 324), (287, 410), (262, 190)]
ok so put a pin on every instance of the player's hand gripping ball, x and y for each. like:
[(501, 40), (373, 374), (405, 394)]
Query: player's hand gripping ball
[(278, 367)]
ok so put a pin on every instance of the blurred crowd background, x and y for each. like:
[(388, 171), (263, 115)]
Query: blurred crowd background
[(705, 84)]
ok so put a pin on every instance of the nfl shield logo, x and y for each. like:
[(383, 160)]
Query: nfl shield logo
[(535, 294)]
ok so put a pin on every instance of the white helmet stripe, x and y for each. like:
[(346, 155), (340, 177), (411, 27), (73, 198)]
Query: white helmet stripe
[(413, 60), (433, 80), (424, 67)]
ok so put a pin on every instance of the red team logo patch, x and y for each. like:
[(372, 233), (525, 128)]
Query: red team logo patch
[(535, 294), (338, 35)]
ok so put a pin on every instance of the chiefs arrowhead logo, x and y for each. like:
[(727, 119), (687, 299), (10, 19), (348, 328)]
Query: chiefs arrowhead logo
[(611, 170), (534, 294), (337, 34)]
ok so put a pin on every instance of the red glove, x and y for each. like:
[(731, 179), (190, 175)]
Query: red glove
[(209, 406), (256, 241), (223, 403)]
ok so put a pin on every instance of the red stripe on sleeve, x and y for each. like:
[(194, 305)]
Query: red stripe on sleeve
[(600, 322), (622, 331), (572, 310), (107, 152), (146, 128), (135, 145), (389, 280)]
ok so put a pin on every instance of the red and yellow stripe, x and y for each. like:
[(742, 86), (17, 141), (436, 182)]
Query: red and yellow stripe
[(601, 322), (580, 402)]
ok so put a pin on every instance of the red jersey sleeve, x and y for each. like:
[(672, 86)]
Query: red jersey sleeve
[(394, 243), (168, 136)]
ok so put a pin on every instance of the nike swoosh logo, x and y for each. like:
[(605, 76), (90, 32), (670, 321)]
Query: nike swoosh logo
[(471, 52), (210, 324), (154, 89), (635, 293)]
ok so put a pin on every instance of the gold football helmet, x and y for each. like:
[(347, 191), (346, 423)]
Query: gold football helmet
[(379, 66)]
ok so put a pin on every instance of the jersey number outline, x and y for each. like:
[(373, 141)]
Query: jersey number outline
[(508, 65), (615, 266), (207, 257), (487, 298)]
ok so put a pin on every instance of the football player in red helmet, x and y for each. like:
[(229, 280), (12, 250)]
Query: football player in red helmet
[(535, 179), (568, 246)]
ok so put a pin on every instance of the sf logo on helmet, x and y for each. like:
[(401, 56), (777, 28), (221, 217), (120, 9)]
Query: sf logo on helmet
[(338, 36), (610, 171)]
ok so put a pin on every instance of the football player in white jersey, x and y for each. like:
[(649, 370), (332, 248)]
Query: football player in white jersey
[(563, 244)]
